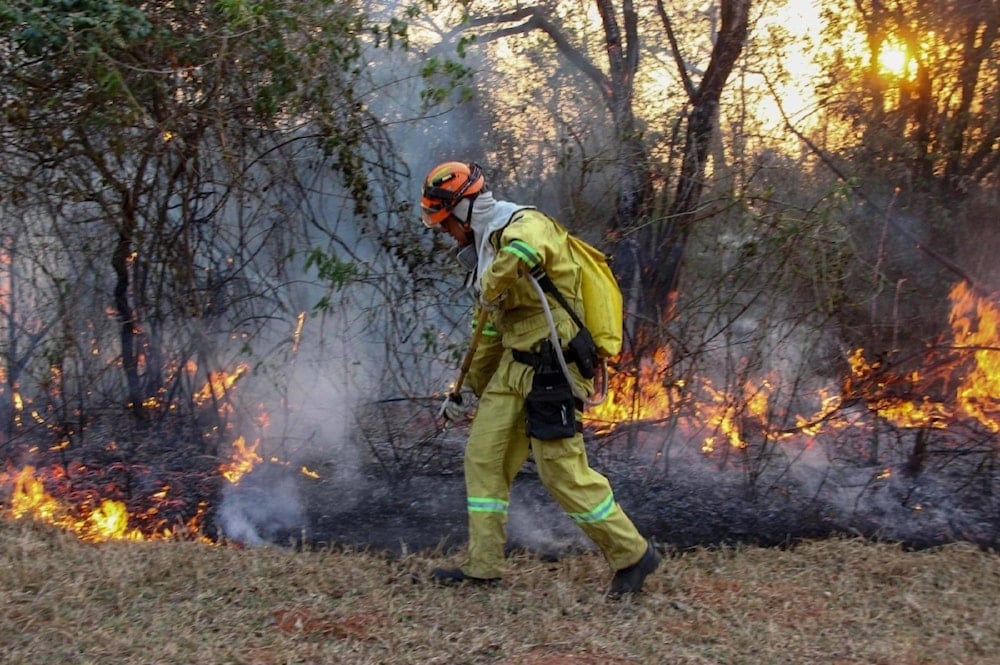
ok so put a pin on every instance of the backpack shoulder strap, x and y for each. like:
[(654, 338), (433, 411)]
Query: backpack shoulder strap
[(543, 279)]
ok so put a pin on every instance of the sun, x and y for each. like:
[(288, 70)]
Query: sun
[(894, 59)]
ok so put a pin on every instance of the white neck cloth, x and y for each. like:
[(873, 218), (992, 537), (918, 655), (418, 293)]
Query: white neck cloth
[(488, 217)]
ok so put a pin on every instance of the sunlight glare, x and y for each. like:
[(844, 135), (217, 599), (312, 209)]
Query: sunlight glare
[(894, 59), (795, 94)]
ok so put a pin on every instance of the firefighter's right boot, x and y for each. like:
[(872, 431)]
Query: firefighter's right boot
[(630, 579)]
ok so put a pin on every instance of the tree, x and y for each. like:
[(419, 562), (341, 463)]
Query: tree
[(175, 135), (649, 250), (665, 242), (923, 93)]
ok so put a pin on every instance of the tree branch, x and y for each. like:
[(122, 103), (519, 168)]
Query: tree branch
[(884, 213), (675, 50), (533, 18)]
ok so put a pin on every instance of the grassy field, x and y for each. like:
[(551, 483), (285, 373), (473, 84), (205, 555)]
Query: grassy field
[(833, 601)]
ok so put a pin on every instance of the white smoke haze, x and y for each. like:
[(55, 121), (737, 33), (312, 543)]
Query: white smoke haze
[(316, 390), (261, 513), (536, 522)]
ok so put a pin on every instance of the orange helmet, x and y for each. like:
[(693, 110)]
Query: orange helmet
[(445, 186)]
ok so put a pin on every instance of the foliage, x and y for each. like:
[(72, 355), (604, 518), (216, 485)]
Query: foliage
[(453, 76), (171, 143), (330, 269), (44, 29)]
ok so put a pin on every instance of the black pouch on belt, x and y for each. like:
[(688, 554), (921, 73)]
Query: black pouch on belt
[(550, 407)]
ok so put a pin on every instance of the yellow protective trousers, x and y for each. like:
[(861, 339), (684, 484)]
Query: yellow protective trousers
[(498, 445)]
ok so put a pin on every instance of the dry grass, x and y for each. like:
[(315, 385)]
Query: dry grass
[(834, 601)]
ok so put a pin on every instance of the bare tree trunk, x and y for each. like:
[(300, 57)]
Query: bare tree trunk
[(663, 244), (126, 315)]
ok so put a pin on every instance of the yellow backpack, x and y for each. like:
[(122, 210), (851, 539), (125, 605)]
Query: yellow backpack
[(603, 308)]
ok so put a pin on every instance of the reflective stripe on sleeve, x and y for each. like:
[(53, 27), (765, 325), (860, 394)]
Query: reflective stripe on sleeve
[(523, 251), (601, 512), (489, 330), (480, 504)]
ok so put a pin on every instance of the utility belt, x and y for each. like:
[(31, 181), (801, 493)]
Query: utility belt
[(551, 406), (544, 358), (581, 351)]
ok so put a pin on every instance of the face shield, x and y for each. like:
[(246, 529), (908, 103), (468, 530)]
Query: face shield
[(463, 210), (432, 213)]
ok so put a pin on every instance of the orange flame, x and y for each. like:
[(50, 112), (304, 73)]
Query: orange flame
[(97, 520), (243, 460), (645, 397), (909, 400), (107, 521), (219, 382), (297, 335), (975, 324)]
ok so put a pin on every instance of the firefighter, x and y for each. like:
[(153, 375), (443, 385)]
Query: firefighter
[(501, 243)]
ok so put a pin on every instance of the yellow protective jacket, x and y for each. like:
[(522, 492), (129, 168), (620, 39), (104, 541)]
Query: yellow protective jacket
[(530, 238)]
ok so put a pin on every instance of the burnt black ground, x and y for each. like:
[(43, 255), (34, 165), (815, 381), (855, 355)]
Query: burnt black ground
[(681, 510)]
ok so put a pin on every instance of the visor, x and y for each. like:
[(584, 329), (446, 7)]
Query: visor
[(432, 213)]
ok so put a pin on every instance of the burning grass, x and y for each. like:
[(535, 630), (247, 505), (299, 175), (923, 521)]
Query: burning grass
[(828, 601)]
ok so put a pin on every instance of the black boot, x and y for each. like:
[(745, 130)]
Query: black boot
[(629, 580), (455, 577)]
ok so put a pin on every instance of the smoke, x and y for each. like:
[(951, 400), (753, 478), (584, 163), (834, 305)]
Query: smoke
[(312, 395), (889, 501), (258, 513), (535, 521)]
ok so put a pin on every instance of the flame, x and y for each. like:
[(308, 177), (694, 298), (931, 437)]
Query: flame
[(907, 399), (975, 324), (109, 520), (219, 382), (50, 496), (242, 462), (91, 520), (297, 335), (647, 396), (975, 328)]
